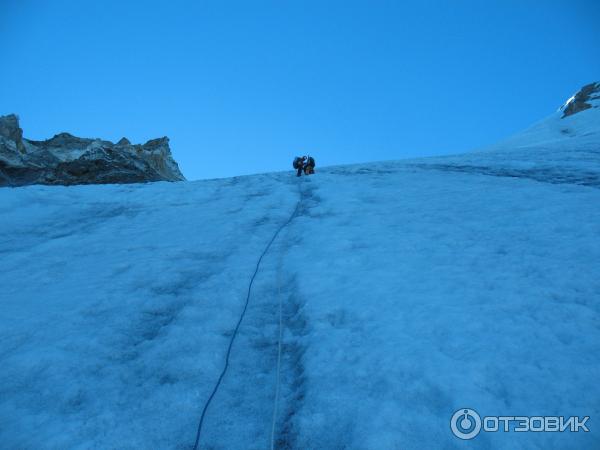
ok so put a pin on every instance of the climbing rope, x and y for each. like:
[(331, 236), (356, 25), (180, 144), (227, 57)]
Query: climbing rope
[(239, 322), (279, 345), (279, 340)]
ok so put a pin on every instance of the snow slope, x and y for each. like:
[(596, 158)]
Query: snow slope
[(556, 150), (410, 289)]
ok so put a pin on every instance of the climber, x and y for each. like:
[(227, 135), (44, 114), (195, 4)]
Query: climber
[(299, 164), (309, 166)]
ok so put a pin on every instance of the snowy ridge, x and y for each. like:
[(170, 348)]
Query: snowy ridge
[(587, 97), (557, 149), (409, 289)]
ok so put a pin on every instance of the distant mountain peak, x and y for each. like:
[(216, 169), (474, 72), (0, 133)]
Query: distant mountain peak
[(123, 141), (587, 97)]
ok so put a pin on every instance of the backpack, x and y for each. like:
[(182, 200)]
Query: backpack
[(297, 162)]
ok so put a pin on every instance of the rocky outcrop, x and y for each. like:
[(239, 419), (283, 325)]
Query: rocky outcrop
[(587, 97), (66, 159), (10, 130)]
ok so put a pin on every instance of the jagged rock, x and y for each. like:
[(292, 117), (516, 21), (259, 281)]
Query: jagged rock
[(67, 159), (123, 141), (9, 127), (587, 97), (10, 130)]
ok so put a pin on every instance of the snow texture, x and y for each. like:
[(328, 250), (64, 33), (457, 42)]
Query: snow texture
[(410, 289)]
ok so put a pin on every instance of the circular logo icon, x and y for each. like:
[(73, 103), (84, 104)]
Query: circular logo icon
[(465, 423)]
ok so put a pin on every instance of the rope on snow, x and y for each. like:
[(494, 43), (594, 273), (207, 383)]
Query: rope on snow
[(237, 327)]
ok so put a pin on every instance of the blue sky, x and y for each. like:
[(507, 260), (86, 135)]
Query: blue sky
[(242, 87)]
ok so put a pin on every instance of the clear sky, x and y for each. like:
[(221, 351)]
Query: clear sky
[(243, 86)]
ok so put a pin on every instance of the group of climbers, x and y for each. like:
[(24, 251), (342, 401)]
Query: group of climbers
[(304, 164)]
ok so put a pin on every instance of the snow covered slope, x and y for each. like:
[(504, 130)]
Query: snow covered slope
[(410, 289), (558, 149)]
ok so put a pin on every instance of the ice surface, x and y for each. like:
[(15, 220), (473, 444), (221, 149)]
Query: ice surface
[(410, 289)]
